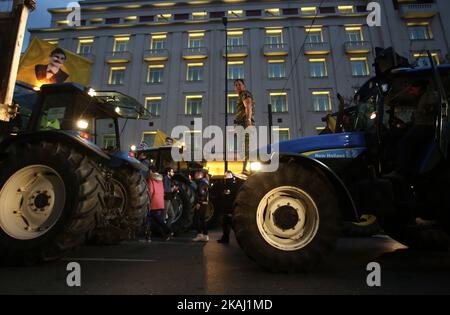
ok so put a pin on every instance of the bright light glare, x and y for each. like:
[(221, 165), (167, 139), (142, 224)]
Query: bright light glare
[(255, 166), (82, 124)]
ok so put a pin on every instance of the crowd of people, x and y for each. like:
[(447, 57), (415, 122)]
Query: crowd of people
[(162, 190)]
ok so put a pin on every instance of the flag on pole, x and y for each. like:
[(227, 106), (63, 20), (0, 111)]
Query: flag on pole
[(45, 63)]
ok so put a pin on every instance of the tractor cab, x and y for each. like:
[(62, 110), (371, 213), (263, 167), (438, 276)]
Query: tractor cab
[(70, 107)]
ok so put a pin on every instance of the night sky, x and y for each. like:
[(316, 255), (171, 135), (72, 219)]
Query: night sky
[(41, 17)]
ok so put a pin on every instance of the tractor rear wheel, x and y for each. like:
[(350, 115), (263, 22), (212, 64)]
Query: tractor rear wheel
[(183, 207), (122, 220), (49, 194), (288, 220)]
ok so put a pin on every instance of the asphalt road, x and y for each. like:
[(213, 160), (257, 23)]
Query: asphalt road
[(182, 267)]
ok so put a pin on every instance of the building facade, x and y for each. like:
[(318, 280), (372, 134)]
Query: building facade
[(294, 55)]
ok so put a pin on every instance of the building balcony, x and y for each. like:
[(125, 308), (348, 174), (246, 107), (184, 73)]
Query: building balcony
[(236, 51), (419, 10), (362, 47), (275, 50), (156, 55), (317, 48), (195, 53), (118, 57)]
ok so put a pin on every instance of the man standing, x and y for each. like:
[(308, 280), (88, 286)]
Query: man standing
[(52, 72), (245, 111), (201, 206), (169, 191)]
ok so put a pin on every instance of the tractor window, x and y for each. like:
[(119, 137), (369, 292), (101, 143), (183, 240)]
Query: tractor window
[(57, 112), (365, 117), (26, 98)]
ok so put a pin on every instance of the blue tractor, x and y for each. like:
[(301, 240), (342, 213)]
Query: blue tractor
[(386, 156), (63, 177)]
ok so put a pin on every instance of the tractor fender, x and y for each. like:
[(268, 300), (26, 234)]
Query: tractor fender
[(70, 137), (121, 158), (346, 202)]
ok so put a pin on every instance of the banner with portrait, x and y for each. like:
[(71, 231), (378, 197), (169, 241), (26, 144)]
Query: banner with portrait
[(45, 63)]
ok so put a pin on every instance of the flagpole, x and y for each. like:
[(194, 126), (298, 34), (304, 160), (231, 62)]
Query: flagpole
[(225, 23)]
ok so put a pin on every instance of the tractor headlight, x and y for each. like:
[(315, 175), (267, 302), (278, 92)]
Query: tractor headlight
[(91, 92), (133, 147), (373, 115), (82, 124), (117, 110)]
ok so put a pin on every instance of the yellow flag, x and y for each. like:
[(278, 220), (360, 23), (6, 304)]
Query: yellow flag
[(44, 63)]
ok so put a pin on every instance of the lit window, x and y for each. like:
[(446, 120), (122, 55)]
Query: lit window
[(274, 37), (85, 46), (419, 32), (277, 69), (423, 60), (121, 44), (235, 38), (199, 15), (153, 105), (308, 10), (279, 102), (235, 13), (314, 35), (272, 12), (196, 40), (235, 70), (354, 34), (318, 68), (155, 73), (117, 75), (345, 9), (232, 103), (52, 41), (359, 67), (193, 105), (194, 72), (158, 42), (163, 17), (283, 134), (321, 101)]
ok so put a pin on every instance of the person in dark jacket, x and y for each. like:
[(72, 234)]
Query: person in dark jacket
[(201, 185), (169, 190)]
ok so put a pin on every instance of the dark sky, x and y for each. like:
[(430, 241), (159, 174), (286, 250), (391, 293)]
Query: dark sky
[(41, 17)]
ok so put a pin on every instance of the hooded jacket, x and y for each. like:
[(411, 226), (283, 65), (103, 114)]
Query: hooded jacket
[(156, 191)]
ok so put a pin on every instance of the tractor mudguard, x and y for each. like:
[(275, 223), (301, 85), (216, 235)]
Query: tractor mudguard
[(346, 202), (122, 157), (72, 137)]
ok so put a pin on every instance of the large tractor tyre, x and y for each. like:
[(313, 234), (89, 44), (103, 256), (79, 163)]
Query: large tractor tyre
[(288, 220), (49, 195), (183, 207), (125, 218), (367, 226), (416, 233)]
